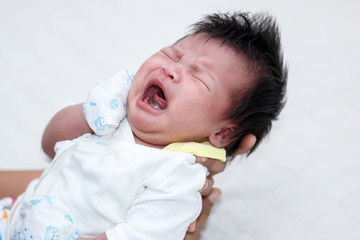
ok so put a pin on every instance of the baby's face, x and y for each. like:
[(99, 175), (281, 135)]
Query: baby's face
[(184, 92)]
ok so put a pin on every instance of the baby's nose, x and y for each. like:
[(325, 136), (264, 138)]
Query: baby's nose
[(172, 71)]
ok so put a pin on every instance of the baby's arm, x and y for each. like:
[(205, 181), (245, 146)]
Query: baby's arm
[(68, 123), (101, 113)]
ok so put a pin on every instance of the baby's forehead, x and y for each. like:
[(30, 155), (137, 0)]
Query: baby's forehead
[(225, 62), (201, 42), (200, 38), (177, 49)]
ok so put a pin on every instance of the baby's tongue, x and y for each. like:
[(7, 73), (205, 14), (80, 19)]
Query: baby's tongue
[(158, 102)]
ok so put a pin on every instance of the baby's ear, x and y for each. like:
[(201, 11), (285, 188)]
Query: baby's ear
[(224, 136)]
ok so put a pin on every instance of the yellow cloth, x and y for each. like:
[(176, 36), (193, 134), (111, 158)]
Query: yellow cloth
[(204, 149)]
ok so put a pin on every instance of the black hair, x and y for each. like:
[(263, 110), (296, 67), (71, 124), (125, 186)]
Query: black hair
[(257, 38)]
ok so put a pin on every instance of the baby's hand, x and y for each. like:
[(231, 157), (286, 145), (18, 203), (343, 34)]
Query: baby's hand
[(105, 105)]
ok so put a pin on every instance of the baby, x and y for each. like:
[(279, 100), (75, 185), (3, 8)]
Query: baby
[(223, 81)]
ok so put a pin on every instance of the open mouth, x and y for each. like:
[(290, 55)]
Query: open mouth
[(155, 97)]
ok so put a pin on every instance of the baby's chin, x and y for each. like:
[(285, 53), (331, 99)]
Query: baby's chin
[(150, 142)]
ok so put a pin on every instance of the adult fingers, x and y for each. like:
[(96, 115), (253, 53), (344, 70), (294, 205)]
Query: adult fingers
[(214, 166), (209, 183), (208, 203), (246, 145), (192, 227)]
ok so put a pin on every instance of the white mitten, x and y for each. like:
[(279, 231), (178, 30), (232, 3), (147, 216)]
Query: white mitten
[(105, 105), (44, 218)]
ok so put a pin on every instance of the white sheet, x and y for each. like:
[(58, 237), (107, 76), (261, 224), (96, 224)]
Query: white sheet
[(302, 183)]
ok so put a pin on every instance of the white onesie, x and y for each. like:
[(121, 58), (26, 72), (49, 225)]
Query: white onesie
[(111, 184)]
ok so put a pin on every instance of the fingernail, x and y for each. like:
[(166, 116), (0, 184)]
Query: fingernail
[(203, 159), (206, 184), (192, 227), (214, 197)]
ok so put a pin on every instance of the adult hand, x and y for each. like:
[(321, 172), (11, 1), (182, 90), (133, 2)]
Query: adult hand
[(208, 202), (14, 182), (102, 236), (210, 194), (246, 145)]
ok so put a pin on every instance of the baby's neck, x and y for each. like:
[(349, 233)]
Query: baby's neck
[(141, 142)]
